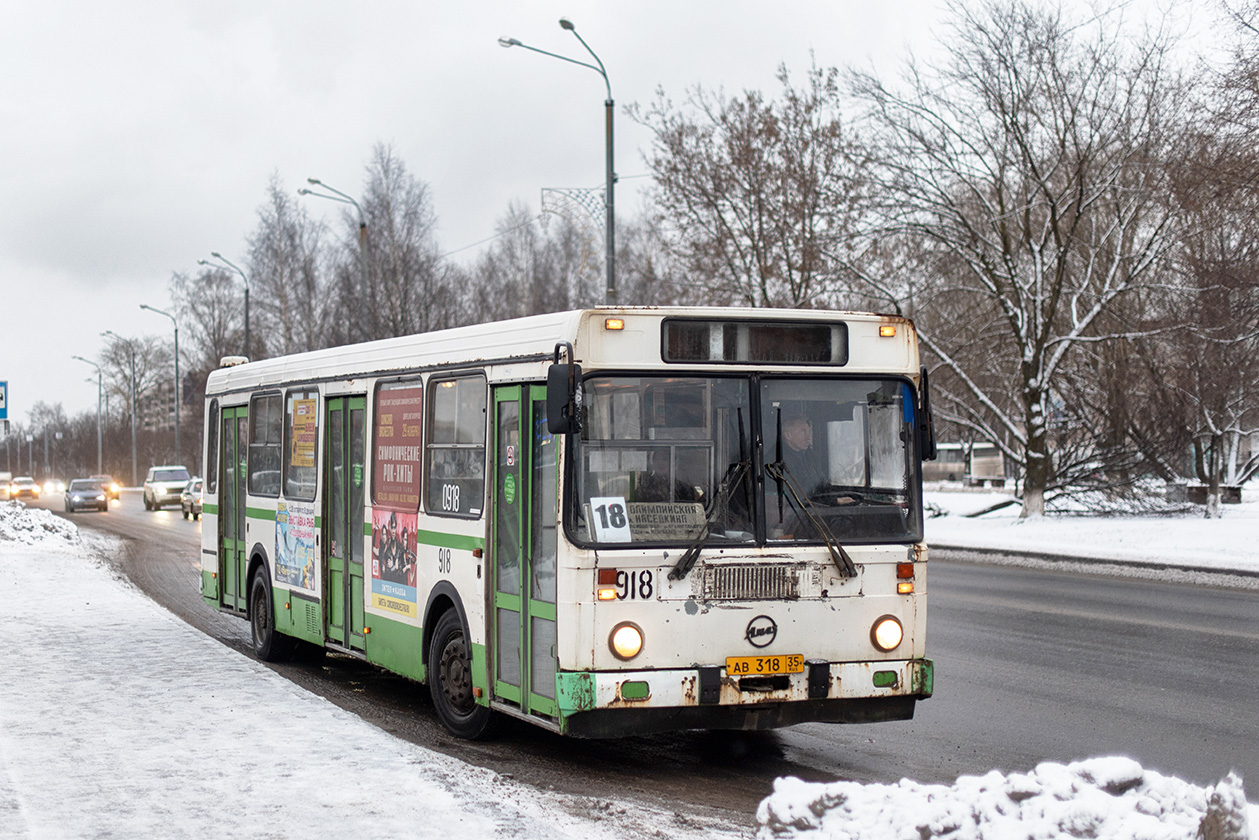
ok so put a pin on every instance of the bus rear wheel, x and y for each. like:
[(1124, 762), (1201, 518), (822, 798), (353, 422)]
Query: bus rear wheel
[(450, 681), (269, 644)]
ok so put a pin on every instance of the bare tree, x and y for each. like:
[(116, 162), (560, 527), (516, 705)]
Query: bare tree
[(756, 193), (1029, 165), (405, 288), (288, 288)]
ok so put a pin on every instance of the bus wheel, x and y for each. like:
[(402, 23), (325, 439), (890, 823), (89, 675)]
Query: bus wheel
[(450, 680), (269, 645)]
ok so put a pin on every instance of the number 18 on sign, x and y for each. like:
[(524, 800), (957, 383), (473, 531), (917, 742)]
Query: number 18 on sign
[(609, 519)]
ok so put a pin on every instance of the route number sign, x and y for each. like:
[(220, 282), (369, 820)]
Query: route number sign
[(4, 400)]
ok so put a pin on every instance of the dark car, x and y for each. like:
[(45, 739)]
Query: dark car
[(111, 486), (86, 493), (23, 485), (190, 499)]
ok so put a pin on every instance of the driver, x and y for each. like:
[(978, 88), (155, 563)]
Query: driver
[(805, 464)]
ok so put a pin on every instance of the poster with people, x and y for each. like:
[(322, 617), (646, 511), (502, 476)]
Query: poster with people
[(396, 471), (393, 562)]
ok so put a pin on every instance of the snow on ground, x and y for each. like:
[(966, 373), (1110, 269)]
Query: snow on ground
[(117, 720), (1180, 539)]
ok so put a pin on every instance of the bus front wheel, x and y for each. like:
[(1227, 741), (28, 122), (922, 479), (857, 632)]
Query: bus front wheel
[(450, 680), (269, 644)]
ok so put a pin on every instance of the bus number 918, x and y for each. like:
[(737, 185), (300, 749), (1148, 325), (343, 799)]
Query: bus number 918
[(636, 585)]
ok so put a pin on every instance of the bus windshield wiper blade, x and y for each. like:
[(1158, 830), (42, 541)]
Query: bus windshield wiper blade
[(779, 472), (721, 500)]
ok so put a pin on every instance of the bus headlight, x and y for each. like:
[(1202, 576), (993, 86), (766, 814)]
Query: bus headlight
[(626, 640), (887, 633)]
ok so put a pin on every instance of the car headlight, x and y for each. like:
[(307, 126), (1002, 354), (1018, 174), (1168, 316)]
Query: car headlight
[(887, 633), (626, 640)]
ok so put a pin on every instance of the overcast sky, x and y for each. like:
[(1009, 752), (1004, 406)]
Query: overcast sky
[(137, 137)]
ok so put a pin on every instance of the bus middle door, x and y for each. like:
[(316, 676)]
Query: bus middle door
[(343, 521), (525, 499)]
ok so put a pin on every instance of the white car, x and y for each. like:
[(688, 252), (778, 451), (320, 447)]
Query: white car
[(164, 486)]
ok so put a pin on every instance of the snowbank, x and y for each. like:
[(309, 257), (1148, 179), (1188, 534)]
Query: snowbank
[(1103, 798), (1181, 539)]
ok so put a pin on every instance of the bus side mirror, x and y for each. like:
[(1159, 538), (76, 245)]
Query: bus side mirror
[(563, 398), (926, 426)]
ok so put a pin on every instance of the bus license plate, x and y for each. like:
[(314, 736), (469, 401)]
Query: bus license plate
[(787, 663)]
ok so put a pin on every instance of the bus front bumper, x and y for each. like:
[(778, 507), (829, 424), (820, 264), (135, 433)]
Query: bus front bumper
[(610, 704)]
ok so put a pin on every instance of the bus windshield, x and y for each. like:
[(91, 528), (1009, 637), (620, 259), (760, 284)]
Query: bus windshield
[(671, 460)]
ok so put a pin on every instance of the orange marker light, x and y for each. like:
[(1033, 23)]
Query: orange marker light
[(606, 590), (887, 331), (614, 323), (905, 571), (905, 587)]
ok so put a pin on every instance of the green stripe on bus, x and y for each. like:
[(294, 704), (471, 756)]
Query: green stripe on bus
[(210, 509), (443, 540), (260, 513), (440, 539)]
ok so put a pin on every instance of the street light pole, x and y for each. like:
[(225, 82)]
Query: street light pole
[(100, 387), (362, 227), (229, 264), (179, 458), (610, 294), (131, 347)]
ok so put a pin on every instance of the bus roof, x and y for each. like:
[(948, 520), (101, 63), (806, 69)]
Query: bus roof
[(528, 339)]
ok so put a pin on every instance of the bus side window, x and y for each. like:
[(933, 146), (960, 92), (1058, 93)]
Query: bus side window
[(456, 446), (264, 445)]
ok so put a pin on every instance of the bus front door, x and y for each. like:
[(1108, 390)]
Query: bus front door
[(344, 449), (525, 498), (233, 551)]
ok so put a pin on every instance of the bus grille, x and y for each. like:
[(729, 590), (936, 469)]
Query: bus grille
[(751, 581)]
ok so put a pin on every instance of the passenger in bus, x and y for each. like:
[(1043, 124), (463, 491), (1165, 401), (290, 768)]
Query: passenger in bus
[(655, 485)]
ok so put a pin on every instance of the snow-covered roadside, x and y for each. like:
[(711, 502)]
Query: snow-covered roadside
[(118, 720), (1185, 540)]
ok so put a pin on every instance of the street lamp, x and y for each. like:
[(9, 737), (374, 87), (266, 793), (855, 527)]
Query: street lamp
[(610, 235), (132, 348), (226, 263), (100, 387), (362, 229), (178, 404)]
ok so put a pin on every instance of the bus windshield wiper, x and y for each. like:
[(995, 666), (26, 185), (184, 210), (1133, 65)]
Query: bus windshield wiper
[(721, 501), (779, 472)]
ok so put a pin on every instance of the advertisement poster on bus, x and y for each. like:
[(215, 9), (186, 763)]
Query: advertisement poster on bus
[(398, 448), (295, 544), (393, 562), (305, 428)]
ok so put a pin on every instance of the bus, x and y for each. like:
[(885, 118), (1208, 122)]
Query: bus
[(605, 522)]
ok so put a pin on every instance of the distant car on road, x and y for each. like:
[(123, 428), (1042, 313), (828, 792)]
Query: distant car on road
[(164, 485), (190, 499), (86, 492), (23, 485), (53, 486), (107, 481)]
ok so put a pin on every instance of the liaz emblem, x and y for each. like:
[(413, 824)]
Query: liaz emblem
[(761, 631)]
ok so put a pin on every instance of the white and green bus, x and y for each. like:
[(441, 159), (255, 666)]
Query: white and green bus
[(605, 522)]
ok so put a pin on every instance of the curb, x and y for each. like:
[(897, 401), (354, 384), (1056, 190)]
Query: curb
[(1013, 555)]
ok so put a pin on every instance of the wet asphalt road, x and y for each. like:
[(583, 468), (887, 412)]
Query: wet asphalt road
[(1031, 666)]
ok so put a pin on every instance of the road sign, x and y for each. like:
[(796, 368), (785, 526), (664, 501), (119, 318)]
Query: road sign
[(4, 400)]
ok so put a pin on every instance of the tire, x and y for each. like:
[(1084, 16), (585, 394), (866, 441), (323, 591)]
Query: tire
[(147, 505), (450, 681), (269, 644)]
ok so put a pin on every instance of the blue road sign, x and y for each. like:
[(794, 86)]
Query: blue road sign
[(4, 400)]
